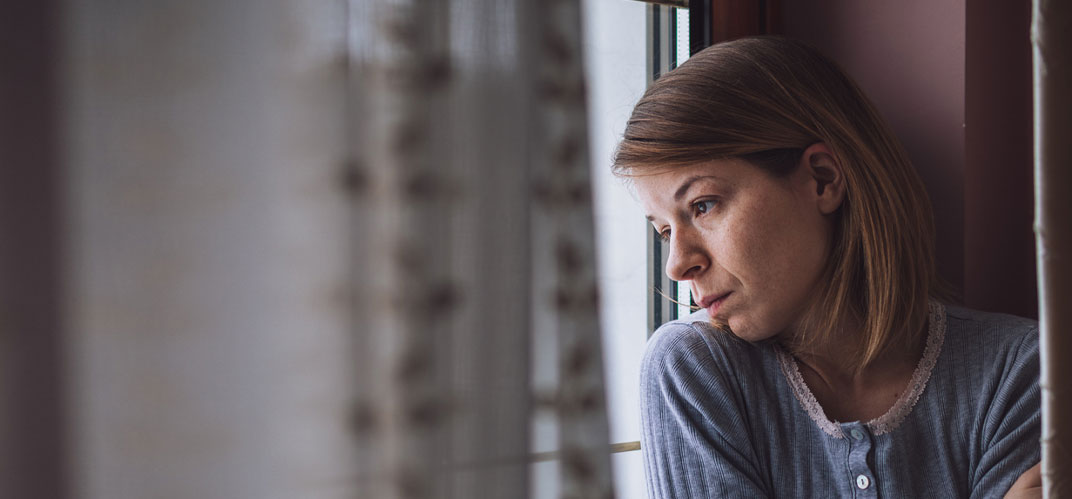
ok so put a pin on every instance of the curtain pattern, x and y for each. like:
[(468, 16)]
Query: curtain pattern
[(483, 310), (326, 249), (564, 228)]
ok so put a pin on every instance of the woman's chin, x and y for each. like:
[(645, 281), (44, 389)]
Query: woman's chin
[(744, 331)]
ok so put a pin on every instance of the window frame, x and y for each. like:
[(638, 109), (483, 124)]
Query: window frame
[(662, 31)]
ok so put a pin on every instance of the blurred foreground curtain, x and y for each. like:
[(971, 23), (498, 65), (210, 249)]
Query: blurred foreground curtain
[(271, 249), (482, 303)]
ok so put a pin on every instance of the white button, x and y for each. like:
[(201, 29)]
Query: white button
[(857, 434), (862, 482)]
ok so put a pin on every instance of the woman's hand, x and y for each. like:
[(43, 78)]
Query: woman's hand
[(1029, 485)]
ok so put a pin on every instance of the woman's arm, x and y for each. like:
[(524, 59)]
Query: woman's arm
[(1012, 428)]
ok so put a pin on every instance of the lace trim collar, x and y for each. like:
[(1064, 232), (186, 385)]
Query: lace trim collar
[(893, 418)]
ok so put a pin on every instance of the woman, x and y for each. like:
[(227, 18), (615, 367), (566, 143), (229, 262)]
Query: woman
[(821, 365)]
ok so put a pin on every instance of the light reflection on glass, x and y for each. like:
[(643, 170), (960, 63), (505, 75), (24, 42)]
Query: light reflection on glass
[(682, 36)]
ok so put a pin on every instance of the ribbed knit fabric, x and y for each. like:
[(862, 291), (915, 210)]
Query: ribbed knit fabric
[(721, 419)]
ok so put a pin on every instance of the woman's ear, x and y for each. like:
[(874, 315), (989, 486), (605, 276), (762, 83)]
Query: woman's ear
[(825, 177)]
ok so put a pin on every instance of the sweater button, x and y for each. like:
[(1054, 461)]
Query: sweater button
[(863, 482)]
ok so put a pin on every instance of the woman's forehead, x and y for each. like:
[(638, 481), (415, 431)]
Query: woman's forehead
[(671, 189), (674, 183)]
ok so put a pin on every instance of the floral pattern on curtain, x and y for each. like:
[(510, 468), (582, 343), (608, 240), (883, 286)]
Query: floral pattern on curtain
[(327, 249), (482, 301)]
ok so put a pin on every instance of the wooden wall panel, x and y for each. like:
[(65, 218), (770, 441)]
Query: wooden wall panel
[(732, 19), (999, 245)]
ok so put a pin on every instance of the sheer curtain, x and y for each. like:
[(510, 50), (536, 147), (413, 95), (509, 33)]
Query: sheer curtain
[(311, 249), (486, 341)]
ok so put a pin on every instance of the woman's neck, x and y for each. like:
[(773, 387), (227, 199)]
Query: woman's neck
[(847, 393)]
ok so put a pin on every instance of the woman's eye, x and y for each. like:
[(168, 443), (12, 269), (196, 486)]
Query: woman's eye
[(665, 235), (701, 207)]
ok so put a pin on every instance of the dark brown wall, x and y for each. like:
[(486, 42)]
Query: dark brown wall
[(999, 256), (953, 79)]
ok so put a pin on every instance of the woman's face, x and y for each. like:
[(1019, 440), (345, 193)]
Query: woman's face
[(751, 246)]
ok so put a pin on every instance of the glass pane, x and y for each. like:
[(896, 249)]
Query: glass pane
[(682, 36), (684, 294), (616, 59)]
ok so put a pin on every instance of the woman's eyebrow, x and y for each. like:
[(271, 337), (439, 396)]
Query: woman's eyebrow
[(684, 189), (688, 183)]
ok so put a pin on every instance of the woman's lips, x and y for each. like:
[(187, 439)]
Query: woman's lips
[(713, 302)]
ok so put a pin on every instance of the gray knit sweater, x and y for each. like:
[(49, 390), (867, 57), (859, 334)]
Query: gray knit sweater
[(726, 418)]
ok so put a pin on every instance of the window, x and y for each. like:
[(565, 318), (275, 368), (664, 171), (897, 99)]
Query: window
[(669, 46)]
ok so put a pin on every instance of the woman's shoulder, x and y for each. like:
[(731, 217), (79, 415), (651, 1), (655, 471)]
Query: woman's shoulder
[(692, 346), (990, 380), (989, 355), (996, 333), (692, 336)]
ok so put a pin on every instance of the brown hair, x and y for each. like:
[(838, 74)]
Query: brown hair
[(765, 100)]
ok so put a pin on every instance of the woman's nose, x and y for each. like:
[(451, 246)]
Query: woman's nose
[(687, 257)]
